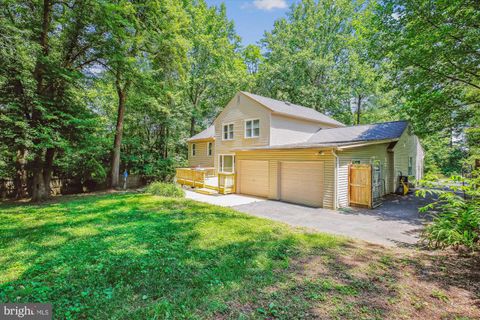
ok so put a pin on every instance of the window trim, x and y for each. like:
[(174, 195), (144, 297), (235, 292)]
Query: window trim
[(245, 128), (209, 148), (233, 131), (410, 166), (219, 162), (194, 150)]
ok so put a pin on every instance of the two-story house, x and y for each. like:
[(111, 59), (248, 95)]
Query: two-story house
[(287, 152)]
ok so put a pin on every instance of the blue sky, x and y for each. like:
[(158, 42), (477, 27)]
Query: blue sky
[(253, 17)]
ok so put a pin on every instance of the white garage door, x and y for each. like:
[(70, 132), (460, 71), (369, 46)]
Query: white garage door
[(302, 182), (253, 177)]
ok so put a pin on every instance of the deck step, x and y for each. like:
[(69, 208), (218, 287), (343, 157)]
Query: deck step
[(206, 191), (211, 187)]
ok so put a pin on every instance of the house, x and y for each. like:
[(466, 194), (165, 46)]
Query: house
[(282, 151)]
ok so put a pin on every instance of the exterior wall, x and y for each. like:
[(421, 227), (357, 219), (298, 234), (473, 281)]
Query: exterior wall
[(275, 156), (239, 109), (408, 146), (286, 130), (201, 158), (365, 155)]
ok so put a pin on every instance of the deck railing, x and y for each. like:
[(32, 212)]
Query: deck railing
[(197, 178), (226, 182), (191, 177)]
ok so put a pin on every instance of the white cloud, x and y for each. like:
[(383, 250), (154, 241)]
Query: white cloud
[(270, 4)]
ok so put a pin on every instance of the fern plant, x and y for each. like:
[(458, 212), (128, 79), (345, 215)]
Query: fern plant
[(456, 212)]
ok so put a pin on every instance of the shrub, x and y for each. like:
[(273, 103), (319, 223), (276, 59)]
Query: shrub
[(456, 214), (166, 190)]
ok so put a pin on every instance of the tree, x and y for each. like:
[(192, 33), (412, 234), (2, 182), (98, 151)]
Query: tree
[(215, 67), (432, 48), (307, 57), (42, 91), (141, 36)]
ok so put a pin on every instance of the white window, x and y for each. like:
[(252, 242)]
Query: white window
[(410, 166), (194, 149), (252, 128), (209, 149), (227, 131), (226, 163)]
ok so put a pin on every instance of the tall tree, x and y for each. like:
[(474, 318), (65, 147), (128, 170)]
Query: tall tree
[(307, 57), (142, 36), (215, 67), (59, 37), (432, 48)]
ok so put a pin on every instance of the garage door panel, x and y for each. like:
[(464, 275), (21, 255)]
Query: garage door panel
[(253, 177), (302, 182)]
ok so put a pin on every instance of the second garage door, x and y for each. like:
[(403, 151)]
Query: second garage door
[(253, 177), (302, 182)]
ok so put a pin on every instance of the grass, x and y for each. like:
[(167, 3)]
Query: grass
[(138, 256)]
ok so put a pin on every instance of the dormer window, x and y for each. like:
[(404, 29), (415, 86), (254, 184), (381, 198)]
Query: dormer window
[(227, 133), (252, 128)]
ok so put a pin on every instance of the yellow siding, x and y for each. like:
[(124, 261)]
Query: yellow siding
[(366, 155), (239, 109), (274, 156), (408, 146), (201, 157)]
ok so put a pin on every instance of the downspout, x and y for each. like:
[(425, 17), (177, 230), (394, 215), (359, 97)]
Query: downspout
[(335, 179)]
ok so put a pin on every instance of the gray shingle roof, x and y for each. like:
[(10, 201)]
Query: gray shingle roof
[(293, 110), (346, 136), (205, 134), (368, 132)]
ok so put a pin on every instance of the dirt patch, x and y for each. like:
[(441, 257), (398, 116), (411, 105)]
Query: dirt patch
[(364, 281)]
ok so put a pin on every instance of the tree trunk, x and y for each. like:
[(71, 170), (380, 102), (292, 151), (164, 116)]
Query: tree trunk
[(117, 143), (20, 180), (359, 106), (42, 175), (48, 169)]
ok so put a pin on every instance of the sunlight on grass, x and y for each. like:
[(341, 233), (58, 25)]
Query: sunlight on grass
[(88, 255)]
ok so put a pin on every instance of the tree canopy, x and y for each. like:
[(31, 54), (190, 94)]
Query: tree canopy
[(89, 89)]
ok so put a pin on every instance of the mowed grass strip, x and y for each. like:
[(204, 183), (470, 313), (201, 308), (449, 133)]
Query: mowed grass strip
[(136, 256)]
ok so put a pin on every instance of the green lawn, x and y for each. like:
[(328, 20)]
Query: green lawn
[(136, 256)]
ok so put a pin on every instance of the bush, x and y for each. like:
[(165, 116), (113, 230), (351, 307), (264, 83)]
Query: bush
[(456, 212), (166, 190)]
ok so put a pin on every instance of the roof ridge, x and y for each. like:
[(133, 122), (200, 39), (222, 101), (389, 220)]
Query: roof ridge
[(319, 116)]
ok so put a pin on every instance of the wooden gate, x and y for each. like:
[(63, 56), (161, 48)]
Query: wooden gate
[(360, 185)]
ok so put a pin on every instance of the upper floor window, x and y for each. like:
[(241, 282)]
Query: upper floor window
[(227, 131), (209, 149), (194, 149), (252, 128), (410, 166)]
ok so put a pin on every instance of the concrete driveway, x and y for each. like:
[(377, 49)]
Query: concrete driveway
[(395, 223)]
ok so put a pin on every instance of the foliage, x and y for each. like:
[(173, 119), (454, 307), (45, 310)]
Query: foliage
[(431, 48), (456, 212), (163, 189), (215, 67)]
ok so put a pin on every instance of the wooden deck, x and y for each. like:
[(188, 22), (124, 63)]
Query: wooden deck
[(206, 178)]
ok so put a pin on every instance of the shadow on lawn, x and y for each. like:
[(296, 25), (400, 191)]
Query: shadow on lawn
[(137, 256), (127, 256)]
